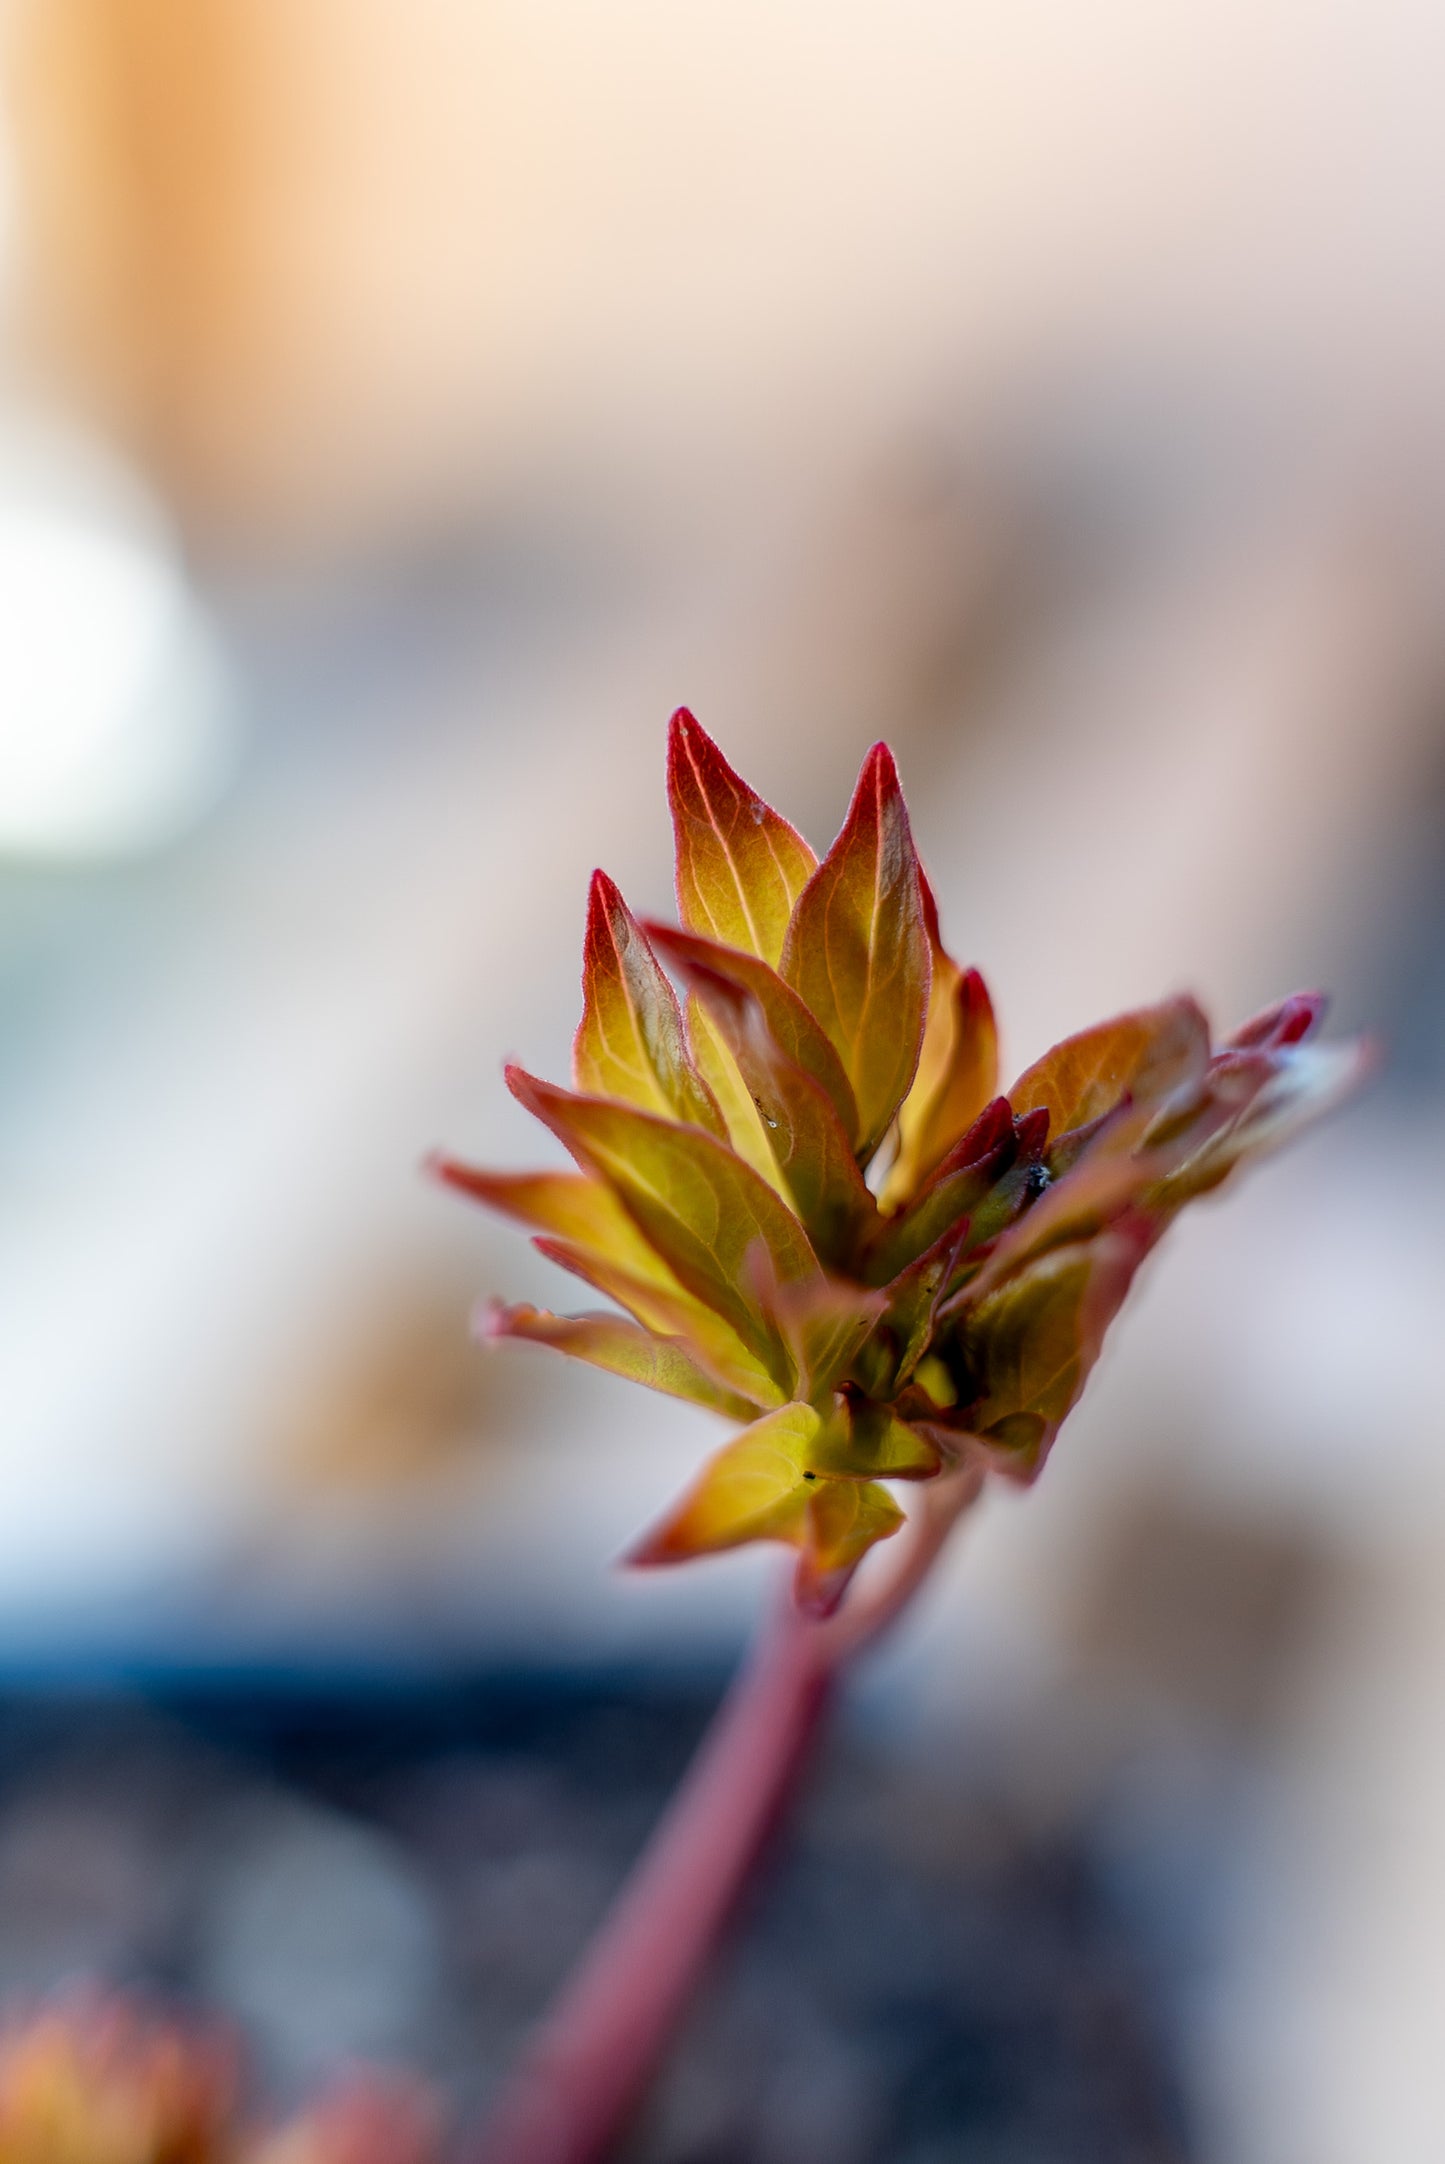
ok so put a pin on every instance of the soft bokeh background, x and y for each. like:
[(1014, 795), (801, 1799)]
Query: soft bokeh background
[(402, 408)]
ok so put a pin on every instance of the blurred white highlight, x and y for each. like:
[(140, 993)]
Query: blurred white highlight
[(115, 730)]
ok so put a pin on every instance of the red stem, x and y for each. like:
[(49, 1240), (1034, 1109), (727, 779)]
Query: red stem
[(586, 2070), (589, 2064)]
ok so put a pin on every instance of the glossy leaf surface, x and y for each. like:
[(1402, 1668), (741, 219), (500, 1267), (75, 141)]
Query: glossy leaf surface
[(754, 1488)]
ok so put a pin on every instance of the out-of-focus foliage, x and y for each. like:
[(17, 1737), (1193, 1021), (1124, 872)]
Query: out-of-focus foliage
[(103, 2083), (808, 1195)]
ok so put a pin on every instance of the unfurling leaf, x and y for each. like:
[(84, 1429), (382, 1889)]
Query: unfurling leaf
[(1256, 1102), (630, 1042), (1289, 1021), (845, 1519), (857, 949), (740, 867)]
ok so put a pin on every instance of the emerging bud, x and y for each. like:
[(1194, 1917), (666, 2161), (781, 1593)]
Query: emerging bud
[(951, 1308)]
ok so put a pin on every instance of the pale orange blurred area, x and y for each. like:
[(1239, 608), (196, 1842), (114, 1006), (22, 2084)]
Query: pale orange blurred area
[(402, 408), (328, 262)]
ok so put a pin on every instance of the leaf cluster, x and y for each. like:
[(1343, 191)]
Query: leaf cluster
[(812, 1208)]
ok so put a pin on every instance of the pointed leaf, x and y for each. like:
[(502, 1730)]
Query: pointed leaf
[(572, 1205), (756, 1487), (857, 949), (630, 1041), (740, 866), (1147, 1055), (764, 1486), (957, 1067), (1290, 1021), (622, 1348), (819, 1173), (712, 971), (698, 1205), (595, 1239), (669, 1311)]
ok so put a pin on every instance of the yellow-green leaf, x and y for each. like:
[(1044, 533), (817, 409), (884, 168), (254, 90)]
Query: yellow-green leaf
[(764, 1486), (818, 1171), (622, 1348), (713, 971), (957, 1076), (719, 1070), (572, 1205), (630, 1041), (857, 948), (825, 1322), (756, 1487), (668, 1310), (740, 866), (845, 1518), (697, 1204)]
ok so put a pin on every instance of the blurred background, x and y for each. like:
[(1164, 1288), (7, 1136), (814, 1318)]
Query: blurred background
[(402, 409)]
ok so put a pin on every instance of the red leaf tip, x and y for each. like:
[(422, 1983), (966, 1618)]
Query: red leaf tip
[(519, 1082), (489, 1321)]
